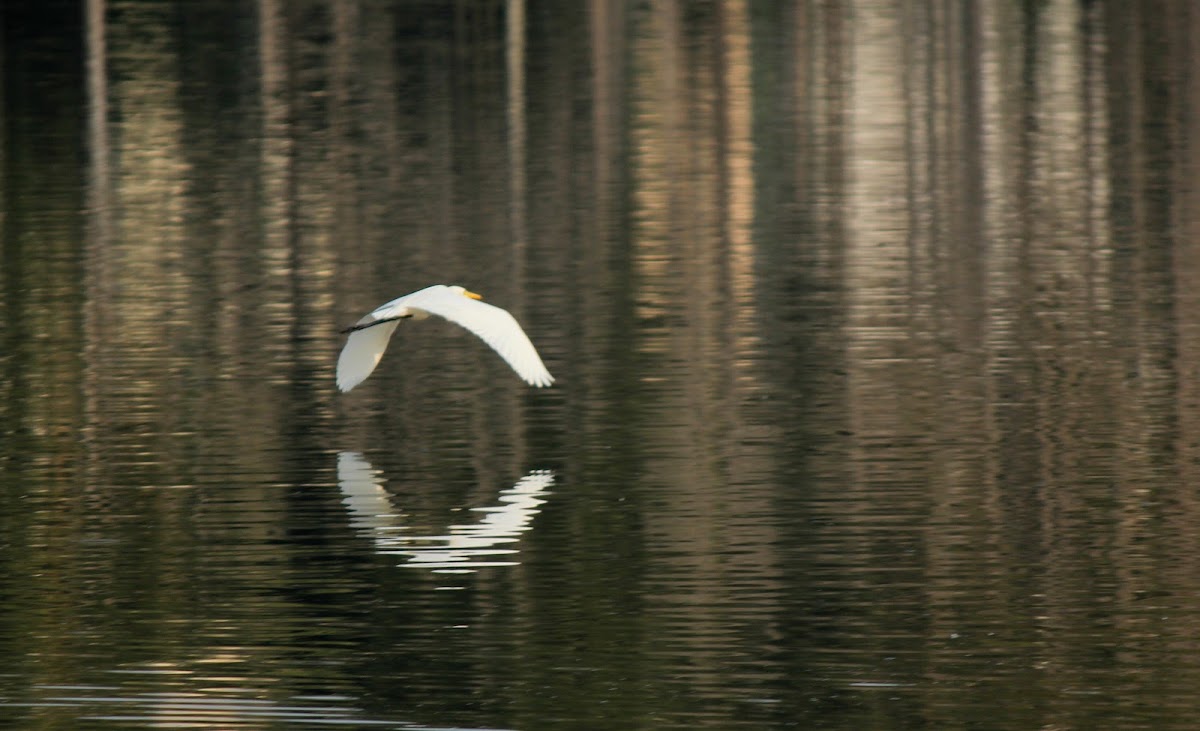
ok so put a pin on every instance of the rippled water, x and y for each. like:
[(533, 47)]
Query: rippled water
[(872, 327)]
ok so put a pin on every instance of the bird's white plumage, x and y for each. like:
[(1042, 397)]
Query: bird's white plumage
[(362, 352), (494, 326)]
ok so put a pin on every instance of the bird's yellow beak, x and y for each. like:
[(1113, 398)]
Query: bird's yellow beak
[(472, 295)]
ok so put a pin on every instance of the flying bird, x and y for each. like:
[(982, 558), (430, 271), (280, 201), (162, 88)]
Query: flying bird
[(369, 336)]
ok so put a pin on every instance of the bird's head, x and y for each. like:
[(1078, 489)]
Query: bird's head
[(465, 293)]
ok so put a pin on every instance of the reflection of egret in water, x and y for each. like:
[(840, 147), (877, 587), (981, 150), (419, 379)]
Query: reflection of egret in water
[(463, 548)]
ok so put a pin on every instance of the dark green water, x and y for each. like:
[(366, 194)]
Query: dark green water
[(874, 328)]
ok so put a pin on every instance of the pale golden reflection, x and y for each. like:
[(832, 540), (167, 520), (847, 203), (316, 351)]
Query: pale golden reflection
[(696, 289), (462, 547), (148, 206), (195, 699)]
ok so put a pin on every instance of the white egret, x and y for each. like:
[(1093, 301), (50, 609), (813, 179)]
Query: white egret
[(369, 336)]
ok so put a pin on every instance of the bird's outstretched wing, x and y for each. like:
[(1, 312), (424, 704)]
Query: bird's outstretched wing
[(494, 326), (362, 352)]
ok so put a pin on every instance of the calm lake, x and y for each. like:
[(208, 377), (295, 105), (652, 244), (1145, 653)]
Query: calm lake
[(875, 327)]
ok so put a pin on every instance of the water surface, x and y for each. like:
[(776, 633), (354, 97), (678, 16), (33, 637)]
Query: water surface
[(872, 325)]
